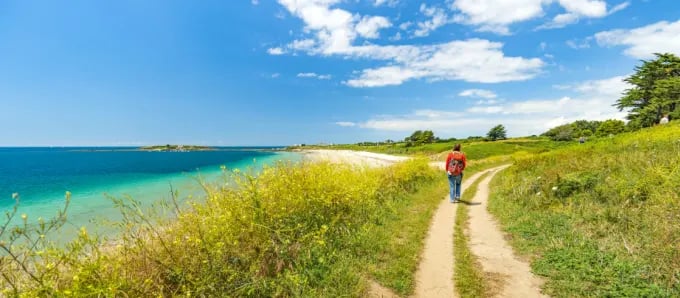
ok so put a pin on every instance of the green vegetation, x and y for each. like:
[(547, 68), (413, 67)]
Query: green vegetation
[(599, 219), (655, 92), (304, 230), (468, 274), (584, 128), (497, 133), (391, 255), (420, 137), (473, 149), (180, 148)]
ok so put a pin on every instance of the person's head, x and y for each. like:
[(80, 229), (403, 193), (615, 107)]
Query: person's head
[(456, 148)]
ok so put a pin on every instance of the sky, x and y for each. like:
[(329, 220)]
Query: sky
[(281, 72)]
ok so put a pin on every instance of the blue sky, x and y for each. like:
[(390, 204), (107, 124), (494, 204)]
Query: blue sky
[(306, 71)]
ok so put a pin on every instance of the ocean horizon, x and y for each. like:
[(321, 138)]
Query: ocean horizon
[(41, 176)]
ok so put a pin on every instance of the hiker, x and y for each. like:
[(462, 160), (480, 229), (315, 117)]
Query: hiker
[(455, 164), (664, 119)]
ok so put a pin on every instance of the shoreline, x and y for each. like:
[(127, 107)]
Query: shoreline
[(358, 158)]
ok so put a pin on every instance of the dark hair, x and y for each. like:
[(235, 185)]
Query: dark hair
[(456, 148)]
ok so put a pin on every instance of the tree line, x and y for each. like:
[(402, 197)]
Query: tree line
[(655, 93)]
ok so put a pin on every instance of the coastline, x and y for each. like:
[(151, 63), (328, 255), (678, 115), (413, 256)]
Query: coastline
[(89, 204)]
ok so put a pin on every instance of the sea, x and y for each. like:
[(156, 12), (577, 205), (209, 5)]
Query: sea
[(40, 178)]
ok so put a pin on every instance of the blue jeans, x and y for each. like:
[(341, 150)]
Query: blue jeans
[(454, 184)]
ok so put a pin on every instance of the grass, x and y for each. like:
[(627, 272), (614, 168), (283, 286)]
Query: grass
[(291, 231), (468, 274), (392, 254), (600, 219), (474, 149)]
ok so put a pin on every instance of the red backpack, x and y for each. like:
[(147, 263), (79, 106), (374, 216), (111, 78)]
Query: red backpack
[(455, 166)]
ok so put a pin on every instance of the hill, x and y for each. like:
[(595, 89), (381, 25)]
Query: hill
[(599, 219)]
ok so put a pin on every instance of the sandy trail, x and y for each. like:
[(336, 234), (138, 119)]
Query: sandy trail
[(434, 277), (494, 253)]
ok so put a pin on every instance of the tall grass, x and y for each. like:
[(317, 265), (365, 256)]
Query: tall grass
[(599, 219), (291, 231)]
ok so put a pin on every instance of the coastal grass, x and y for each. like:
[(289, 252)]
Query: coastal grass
[(474, 149), (599, 219), (392, 253), (469, 276), (294, 230)]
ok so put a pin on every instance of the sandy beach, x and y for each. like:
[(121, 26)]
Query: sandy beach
[(360, 158)]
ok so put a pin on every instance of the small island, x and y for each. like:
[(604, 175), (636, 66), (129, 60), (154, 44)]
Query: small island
[(175, 148)]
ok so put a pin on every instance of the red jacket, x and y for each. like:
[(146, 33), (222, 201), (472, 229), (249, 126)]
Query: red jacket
[(457, 155)]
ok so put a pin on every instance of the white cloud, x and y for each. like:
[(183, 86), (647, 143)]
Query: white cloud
[(496, 15), (560, 21), (405, 25), (345, 123), (438, 18), (587, 8), (255, 2), (642, 42), (575, 9), (314, 75), (275, 51), (473, 60), (369, 27), (478, 93), (333, 32), (621, 6), (390, 3), (593, 102), (275, 75)]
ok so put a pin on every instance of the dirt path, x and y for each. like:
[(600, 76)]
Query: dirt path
[(434, 277), (494, 253)]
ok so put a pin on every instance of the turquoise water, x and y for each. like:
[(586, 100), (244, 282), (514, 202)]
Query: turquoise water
[(41, 176)]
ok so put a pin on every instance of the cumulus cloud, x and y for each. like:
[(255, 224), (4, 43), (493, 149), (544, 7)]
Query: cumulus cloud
[(593, 101), (275, 51), (345, 123), (473, 60), (369, 27), (496, 15), (577, 9), (478, 93), (437, 18), (642, 42), (333, 31)]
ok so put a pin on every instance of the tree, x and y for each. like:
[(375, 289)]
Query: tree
[(497, 133), (563, 132), (611, 127), (420, 137), (655, 91)]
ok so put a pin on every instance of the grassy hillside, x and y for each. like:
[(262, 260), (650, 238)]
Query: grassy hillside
[(599, 219)]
